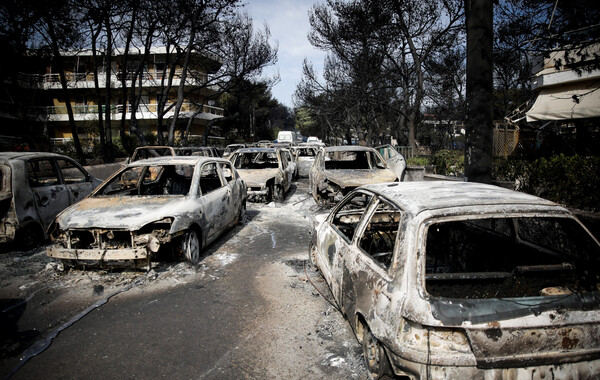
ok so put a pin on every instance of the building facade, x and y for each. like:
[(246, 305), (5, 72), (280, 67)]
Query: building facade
[(36, 105)]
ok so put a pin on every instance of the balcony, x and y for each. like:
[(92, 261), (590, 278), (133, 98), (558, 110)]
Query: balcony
[(86, 80), (144, 112)]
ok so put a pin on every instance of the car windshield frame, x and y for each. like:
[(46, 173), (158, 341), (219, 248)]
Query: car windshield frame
[(157, 179)]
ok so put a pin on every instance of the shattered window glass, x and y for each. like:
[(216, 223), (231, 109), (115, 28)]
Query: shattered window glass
[(510, 257)]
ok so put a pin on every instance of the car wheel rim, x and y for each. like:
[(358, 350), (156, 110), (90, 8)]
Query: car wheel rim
[(371, 353), (312, 255), (192, 247)]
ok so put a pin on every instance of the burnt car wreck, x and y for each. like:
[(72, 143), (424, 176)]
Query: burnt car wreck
[(449, 280), (339, 169), (34, 188), (180, 202), (266, 172)]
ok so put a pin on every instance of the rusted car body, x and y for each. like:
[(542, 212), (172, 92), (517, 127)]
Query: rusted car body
[(339, 169), (456, 280), (187, 201), (266, 171), (35, 187), (305, 157)]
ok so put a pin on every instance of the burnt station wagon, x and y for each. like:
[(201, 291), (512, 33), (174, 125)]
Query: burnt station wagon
[(456, 280)]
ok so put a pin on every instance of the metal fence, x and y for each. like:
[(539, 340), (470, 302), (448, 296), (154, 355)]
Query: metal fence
[(506, 140)]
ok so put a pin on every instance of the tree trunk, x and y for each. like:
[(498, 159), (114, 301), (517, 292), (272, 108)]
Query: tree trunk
[(180, 89), (63, 83), (97, 89), (479, 121), (124, 96), (108, 152)]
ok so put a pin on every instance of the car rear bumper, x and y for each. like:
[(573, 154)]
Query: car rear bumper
[(578, 370)]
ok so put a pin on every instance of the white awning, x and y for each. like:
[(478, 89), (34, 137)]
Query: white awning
[(577, 100)]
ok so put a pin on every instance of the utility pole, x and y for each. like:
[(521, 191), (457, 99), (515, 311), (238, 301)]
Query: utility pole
[(480, 85)]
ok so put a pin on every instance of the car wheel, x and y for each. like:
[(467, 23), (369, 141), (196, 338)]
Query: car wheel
[(241, 213), (191, 247), (278, 193), (312, 255), (375, 357)]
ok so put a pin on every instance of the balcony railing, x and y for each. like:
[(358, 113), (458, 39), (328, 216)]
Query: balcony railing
[(118, 109), (154, 78)]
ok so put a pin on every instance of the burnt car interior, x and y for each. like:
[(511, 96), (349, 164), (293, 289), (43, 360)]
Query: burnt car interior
[(260, 160), (379, 236), (510, 257), (306, 152), (41, 173), (151, 180), (351, 160)]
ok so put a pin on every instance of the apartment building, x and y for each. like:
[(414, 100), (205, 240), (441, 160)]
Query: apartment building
[(33, 104)]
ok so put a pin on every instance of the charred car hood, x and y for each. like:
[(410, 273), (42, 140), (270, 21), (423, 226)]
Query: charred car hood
[(358, 177), (257, 177), (129, 213)]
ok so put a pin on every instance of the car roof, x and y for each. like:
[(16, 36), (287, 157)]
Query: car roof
[(176, 160), (436, 196), (348, 148), (7, 156)]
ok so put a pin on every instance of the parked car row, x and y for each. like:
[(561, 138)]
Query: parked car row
[(437, 279)]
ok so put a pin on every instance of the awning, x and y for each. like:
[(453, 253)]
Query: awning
[(577, 100)]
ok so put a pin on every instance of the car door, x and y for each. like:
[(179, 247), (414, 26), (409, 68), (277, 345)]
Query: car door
[(50, 195), (394, 159), (234, 189), (367, 289), (77, 181), (286, 171), (215, 199), (336, 238)]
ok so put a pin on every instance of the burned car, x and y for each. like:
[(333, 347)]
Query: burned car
[(144, 152), (266, 171), (36, 186), (337, 170), (305, 157), (185, 201), (457, 280)]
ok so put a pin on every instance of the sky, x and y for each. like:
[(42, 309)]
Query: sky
[(288, 22)]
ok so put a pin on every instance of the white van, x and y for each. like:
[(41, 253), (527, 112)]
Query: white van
[(286, 136)]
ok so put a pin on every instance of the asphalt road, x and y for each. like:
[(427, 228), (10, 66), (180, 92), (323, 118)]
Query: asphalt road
[(246, 311)]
